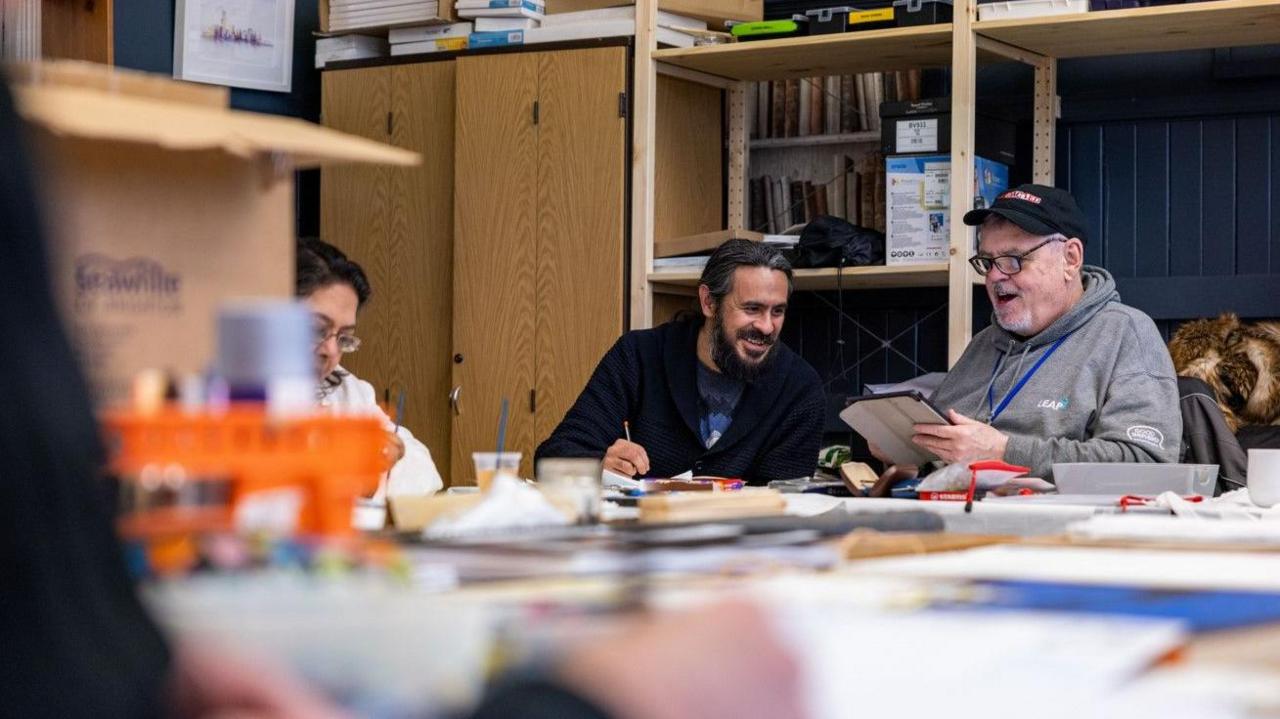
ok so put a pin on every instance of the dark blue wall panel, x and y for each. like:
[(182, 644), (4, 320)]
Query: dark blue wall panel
[(144, 41), (1187, 211)]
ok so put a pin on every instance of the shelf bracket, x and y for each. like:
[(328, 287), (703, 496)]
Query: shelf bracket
[(702, 78), (1011, 52)]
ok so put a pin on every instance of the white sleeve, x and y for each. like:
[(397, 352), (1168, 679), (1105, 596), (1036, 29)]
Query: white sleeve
[(415, 473)]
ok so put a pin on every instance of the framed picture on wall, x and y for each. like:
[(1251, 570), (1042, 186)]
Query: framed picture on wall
[(238, 43)]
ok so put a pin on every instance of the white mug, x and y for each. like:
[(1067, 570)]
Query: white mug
[(1264, 476)]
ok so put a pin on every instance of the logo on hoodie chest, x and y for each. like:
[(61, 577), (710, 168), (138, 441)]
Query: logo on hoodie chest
[(1057, 405)]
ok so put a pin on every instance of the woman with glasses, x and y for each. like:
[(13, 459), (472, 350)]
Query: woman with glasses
[(335, 288)]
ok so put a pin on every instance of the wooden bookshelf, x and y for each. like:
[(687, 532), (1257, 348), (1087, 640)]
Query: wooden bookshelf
[(837, 54), (847, 138), (854, 278), (1196, 25)]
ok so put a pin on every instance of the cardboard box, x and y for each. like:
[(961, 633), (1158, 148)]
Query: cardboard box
[(918, 201), (161, 204)]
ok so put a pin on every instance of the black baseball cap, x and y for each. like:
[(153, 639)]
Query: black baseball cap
[(1038, 209)]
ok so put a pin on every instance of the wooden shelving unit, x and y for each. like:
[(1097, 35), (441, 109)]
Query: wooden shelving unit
[(1191, 26), (960, 45), (854, 278), (853, 52)]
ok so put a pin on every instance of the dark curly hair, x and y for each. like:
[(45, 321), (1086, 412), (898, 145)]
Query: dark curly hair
[(320, 264)]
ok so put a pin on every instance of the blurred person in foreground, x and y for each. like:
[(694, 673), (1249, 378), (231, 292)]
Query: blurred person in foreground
[(75, 640)]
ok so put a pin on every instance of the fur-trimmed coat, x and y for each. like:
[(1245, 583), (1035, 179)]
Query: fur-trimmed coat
[(1240, 361)]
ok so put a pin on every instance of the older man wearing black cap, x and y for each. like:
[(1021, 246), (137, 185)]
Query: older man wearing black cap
[(1065, 373)]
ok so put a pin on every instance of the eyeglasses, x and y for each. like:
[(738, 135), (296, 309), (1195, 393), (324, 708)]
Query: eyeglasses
[(347, 342), (1008, 264)]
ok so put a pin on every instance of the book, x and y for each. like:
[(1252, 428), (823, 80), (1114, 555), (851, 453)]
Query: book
[(791, 121), (755, 196), (762, 109), (779, 204), (415, 12), (348, 47), (836, 196), (607, 28), (444, 44), (496, 39), (622, 12), (498, 24), (848, 105), (538, 5), (805, 103), (777, 110), (817, 106), (851, 207), (429, 32), (831, 118), (796, 203)]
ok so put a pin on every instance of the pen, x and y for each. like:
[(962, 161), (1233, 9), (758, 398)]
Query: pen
[(399, 410), (626, 429), (973, 485)]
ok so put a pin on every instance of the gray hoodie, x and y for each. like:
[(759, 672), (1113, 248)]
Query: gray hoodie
[(1108, 393)]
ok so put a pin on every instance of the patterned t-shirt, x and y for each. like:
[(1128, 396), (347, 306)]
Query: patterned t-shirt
[(718, 396)]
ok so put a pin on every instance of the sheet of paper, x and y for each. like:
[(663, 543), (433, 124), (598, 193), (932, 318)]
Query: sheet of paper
[(1124, 567)]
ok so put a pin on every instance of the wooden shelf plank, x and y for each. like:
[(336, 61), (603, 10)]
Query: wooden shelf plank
[(855, 278), (852, 52), (847, 138), (1196, 25)]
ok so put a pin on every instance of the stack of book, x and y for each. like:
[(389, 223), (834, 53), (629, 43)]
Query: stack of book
[(429, 38), (501, 22), (829, 105), (346, 15), (855, 191), (348, 47)]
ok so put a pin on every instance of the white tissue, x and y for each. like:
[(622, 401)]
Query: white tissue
[(509, 504)]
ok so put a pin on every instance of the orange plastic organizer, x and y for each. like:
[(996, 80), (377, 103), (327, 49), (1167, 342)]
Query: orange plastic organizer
[(333, 460)]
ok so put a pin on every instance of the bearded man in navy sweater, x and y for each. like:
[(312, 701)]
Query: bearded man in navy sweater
[(718, 396)]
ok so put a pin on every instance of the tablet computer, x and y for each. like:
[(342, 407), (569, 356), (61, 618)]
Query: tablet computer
[(886, 420)]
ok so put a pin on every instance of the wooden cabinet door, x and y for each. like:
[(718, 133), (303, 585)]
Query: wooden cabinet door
[(415, 299), (581, 201), (355, 206), (495, 226), (354, 199)]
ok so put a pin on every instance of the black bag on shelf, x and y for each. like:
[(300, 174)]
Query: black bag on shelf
[(832, 242)]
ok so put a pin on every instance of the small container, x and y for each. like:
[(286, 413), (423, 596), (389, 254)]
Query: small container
[(1144, 479), (827, 20), (766, 30), (911, 13), (577, 481), (1009, 9)]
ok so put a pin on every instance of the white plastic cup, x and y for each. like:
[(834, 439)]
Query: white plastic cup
[(1264, 476), (491, 464)]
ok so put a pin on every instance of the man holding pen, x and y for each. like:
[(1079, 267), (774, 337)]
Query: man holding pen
[(718, 395)]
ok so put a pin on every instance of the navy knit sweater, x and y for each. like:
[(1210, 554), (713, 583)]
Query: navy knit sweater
[(649, 377)]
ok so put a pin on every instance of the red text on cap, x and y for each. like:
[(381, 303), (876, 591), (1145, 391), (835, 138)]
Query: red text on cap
[(1019, 195)]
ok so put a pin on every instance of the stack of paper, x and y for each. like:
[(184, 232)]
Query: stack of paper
[(348, 47), (357, 14), (429, 38), (613, 22)]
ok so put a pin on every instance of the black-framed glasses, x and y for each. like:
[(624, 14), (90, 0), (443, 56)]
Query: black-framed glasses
[(347, 342), (1008, 264)]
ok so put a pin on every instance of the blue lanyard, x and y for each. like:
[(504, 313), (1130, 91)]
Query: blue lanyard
[(1022, 382)]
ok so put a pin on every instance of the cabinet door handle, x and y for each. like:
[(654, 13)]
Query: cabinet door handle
[(455, 395)]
